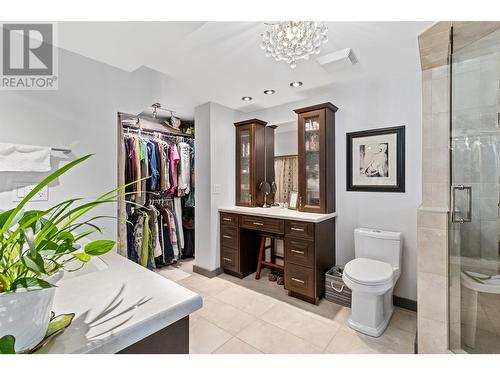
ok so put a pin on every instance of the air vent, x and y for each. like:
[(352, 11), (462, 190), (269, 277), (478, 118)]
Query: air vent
[(338, 59)]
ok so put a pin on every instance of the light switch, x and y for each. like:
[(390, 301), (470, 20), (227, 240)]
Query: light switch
[(23, 189)]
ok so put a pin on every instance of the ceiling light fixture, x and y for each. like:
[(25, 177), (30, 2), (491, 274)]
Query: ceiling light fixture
[(246, 98), (269, 92), (291, 41), (296, 84)]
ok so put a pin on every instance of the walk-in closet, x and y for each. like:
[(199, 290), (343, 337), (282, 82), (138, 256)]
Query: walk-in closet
[(156, 166)]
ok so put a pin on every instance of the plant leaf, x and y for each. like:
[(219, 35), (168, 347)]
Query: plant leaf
[(30, 283), (82, 256), (33, 265), (99, 247), (30, 239), (59, 323), (7, 345), (4, 216)]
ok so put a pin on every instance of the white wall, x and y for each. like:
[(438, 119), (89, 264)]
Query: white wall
[(80, 115), (392, 102), (286, 139), (215, 177)]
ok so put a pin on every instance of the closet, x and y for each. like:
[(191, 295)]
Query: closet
[(156, 215)]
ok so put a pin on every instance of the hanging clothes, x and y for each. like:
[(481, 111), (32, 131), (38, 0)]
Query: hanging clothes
[(184, 168)]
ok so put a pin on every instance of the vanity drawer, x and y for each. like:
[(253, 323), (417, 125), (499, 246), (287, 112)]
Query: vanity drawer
[(229, 236), (299, 252), (263, 224), (229, 259), (301, 229), (228, 219), (299, 279)]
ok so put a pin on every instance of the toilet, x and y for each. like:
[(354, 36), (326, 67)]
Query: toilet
[(372, 276)]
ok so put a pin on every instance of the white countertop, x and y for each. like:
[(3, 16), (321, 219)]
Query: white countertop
[(278, 213), (117, 305)]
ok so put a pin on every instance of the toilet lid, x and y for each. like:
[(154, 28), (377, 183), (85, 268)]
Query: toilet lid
[(368, 271)]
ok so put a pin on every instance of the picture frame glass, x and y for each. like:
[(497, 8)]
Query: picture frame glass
[(293, 200)]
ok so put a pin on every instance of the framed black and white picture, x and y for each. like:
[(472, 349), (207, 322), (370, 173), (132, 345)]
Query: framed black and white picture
[(376, 160)]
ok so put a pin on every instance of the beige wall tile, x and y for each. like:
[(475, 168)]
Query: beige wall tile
[(440, 195), (432, 294), (440, 165), (432, 220), (432, 336), (440, 130), (427, 194), (432, 251)]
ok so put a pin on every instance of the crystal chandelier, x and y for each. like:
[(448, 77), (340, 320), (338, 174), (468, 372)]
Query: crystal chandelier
[(294, 40)]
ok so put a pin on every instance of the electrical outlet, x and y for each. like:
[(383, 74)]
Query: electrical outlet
[(22, 190)]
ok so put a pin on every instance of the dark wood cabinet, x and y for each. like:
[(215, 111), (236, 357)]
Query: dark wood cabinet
[(316, 149), (250, 162)]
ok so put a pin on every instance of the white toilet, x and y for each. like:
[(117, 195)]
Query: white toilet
[(372, 276)]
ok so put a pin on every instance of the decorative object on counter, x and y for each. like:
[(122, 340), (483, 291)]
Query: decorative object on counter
[(274, 189), (293, 200), (57, 325), (291, 41), (376, 160), (316, 160), (35, 247), (265, 188)]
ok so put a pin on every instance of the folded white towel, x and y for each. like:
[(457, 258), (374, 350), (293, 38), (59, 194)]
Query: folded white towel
[(24, 158)]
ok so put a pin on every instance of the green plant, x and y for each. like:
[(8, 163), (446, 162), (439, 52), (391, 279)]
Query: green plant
[(35, 244)]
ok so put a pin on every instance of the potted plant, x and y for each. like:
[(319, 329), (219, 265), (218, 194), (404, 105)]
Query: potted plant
[(36, 246)]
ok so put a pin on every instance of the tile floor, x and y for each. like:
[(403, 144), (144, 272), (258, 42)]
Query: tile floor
[(237, 320)]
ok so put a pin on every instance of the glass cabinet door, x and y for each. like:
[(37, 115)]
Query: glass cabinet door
[(311, 161), (244, 157)]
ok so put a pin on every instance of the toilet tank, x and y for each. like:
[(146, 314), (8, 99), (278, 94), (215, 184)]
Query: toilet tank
[(378, 245)]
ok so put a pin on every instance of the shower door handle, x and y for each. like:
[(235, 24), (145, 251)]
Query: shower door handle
[(457, 215)]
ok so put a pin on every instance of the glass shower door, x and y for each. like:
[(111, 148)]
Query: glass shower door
[(474, 295)]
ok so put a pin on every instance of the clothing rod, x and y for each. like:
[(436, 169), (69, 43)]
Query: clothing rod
[(152, 132)]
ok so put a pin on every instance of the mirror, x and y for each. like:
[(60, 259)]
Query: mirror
[(285, 161)]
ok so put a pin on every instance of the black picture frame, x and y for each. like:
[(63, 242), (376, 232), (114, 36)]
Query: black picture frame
[(400, 158)]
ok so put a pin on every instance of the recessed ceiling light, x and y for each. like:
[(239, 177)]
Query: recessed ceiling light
[(246, 98), (296, 84), (269, 92)]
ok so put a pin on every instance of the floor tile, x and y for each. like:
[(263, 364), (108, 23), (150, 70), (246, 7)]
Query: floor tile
[(351, 342), (205, 286), (271, 339), (205, 337), (404, 319), (236, 346), (310, 327), (246, 300), (174, 274), (225, 316)]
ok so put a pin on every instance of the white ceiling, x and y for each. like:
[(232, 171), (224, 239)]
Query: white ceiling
[(222, 61)]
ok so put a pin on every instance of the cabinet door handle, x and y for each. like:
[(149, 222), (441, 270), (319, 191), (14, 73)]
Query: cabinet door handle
[(297, 229), (257, 223), (297, 251), (228, 237), (227, 219), (298, 280), (227, 259)]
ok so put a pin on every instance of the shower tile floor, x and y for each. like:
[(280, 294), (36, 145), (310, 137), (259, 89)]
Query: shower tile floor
[(238, 320)]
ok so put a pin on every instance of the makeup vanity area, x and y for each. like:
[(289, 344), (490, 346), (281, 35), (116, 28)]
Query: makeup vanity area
[(258, 218)]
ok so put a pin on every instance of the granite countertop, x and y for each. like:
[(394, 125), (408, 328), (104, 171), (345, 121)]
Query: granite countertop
[(279, 213), (117, 303)]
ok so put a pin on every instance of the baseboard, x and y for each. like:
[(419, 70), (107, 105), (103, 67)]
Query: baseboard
[(207, 273), (404, 303)]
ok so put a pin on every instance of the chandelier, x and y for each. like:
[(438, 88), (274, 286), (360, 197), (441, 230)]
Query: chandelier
[(293, 40)]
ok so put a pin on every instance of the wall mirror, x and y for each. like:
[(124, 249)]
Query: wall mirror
[(285, 161)]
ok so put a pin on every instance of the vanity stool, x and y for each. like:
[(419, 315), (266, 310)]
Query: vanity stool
[(262, 253)]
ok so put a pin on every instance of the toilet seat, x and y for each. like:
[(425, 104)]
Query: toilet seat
[(368, 271)]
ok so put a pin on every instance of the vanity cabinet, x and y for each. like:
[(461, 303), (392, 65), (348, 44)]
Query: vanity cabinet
[(316, 162), (250, 162)]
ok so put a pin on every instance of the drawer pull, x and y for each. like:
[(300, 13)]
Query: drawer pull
[(227, 259), (297, 251), (257, 223), (226, 236), (297, 229), (227, 219), (298, 280)]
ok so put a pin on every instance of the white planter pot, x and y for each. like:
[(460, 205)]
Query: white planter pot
[(26, 314)]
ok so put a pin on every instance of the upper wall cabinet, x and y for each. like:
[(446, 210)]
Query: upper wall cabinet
[(250, 162), (316, 148)]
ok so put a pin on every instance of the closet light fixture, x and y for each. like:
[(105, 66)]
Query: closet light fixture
[(296, 84), (269, 92), (246, 98)]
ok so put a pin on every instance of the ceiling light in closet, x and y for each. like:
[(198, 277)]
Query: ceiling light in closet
[(269, 92), (296, 84), (246, 98)]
